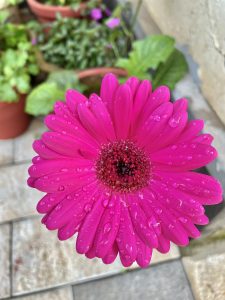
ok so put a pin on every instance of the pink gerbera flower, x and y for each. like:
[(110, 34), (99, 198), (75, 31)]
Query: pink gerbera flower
[(117, 170)]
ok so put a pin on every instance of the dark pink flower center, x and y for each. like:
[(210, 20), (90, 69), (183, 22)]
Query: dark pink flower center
[(123, 166)]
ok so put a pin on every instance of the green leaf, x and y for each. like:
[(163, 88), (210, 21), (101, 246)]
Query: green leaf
[(147, 54), (7, 93), (42, 98), (66, 80), (170, 72), (23, 83)]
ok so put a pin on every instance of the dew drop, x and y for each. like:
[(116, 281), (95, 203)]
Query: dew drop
[(183, 220), (64, 170), (174, 122), (61, 188), (105, 202), (174, 147), (107, 228), (87, 208), (189, 157), (158, 211)]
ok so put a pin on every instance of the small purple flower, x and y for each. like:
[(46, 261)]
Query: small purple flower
[(33, 41), (113, 23), (96, 14)]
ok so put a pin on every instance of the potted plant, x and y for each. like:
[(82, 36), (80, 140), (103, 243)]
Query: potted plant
[(91, 49), (46, 10), (17, 65)]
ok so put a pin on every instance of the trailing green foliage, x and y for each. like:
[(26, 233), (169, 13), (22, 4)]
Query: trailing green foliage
[(81, 44), (42, 98), (17, 62)]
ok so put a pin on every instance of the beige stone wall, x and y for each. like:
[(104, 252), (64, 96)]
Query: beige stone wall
[(199, 24)]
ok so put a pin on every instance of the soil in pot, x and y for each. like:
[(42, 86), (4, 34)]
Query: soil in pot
[(13, 120)]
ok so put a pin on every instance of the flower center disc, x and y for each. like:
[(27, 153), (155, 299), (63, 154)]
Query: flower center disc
[(123, 166)]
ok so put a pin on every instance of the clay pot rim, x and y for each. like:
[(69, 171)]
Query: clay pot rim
[(100, 71), (54, 8)]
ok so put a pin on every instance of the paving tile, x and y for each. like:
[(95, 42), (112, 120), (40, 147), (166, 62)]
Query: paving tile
[(6, 152), (49, 262), (165, 281), (4, 261), (16, 198), (207, 276), (41, 261), (23, 144), (57, 294), (172, 254)]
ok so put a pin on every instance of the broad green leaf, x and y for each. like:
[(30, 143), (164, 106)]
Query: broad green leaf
[(23, 83), (41, 100), (7, 93), (170, 72), (147, 54), (66, 80)]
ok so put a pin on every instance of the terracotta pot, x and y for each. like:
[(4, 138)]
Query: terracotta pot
[(13, 120), (92, 77), (47, 13)]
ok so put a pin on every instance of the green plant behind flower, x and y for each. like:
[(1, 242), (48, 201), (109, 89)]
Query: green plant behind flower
[(17, 62), (80, 44), (155, 58)]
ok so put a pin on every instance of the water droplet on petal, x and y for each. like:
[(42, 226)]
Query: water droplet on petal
[(174, 147), (105, 202), (183, 220), (87, 208), (158, 211), (174, 122), (61, 188), (107, 228)]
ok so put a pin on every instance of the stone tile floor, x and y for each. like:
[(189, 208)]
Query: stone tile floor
[(35, 265)]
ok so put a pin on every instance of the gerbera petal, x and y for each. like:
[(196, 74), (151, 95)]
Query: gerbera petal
[(64, 182), (171, 132), (88, 229), (68, 230), (68, 146), (73, 98), (108, 89), (126, 238), (44, 152), (72, 207), (90, 122), (48, 202), (133, 83), (154, 125), (111, 255), (203, 139), (191, 130), (164, 244), (180, 105), (140, 99), (207, 188), (159, 96), (60, 125), (108, 228), (144, 254), (141, 226), (58, 165), (122, 109), (184, 156), (177, 200), (101, 113)]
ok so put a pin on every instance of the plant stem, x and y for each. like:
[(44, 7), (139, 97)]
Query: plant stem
[(134, 19)]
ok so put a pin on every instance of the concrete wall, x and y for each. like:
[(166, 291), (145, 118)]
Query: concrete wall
[(200, 25)]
